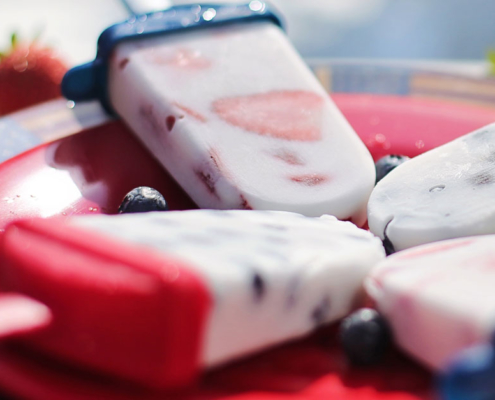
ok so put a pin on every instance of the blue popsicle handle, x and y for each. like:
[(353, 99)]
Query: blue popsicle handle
[(89, 81)]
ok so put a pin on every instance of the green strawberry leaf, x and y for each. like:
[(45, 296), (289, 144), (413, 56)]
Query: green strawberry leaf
[(490, 55), (13, 39)]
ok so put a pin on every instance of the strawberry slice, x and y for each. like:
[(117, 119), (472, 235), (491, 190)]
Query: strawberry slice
[(289, 115)]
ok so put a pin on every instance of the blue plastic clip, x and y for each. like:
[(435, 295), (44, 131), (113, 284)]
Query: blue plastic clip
[(89, 81)]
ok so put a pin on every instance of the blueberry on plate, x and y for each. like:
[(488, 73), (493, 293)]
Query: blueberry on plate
[(365, 336), (386, 164), (143, 199), (470, 375)]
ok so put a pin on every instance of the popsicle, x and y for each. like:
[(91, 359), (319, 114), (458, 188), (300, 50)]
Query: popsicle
[(438, 298), (444, 193), (156, 297), (228, 107)]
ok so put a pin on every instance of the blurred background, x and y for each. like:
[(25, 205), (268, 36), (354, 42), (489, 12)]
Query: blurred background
[(376, 29)]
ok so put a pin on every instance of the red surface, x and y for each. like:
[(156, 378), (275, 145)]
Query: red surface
[(407, 125), (91, 172), (86, 173), (311, 369)]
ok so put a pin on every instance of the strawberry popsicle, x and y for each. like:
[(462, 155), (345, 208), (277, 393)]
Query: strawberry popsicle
[(438, 298), (238, 119), (444, 193), (156, 297)]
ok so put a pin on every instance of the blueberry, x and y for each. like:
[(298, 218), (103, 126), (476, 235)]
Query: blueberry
[(386, 164), (470, 375), (365, 336), (143, 199)]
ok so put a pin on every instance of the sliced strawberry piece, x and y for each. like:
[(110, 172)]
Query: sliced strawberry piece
[(289, 115), (310, 179)]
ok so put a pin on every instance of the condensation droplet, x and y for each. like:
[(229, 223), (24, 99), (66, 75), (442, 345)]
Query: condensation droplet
[(209, 14), (380, 138), (420, 144), (256, 5), (375, 120)]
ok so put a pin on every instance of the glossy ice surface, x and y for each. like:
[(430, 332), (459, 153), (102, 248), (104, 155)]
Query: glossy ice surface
[(439, 297), (238, 119), (444, 193), (261, 268)]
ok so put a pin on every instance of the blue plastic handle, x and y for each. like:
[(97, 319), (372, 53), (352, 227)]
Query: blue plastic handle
[(89, 81)]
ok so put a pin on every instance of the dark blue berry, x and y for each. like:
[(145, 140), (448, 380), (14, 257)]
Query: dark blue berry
[(387, 243), (143, 199), (470, 376), (365, 336), (386, 164)]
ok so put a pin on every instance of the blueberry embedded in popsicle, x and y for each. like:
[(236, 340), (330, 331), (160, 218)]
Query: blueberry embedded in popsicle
[(365, 336), (143, 199), (259, 286), (387, 243), (321, 311)]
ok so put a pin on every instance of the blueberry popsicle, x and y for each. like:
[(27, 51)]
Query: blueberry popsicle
[(438, 298), (156, 297), (238, 119), (444, 193)]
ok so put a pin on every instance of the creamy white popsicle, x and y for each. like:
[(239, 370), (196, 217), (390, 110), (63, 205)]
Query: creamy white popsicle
[(444, 193), (438, 298), (240, 122), (272, 276)]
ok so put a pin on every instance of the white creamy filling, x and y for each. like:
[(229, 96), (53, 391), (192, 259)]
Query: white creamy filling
[(184, 76), (272, 275), (445, 193)]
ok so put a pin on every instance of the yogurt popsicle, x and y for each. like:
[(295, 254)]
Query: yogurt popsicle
[(438, 298), (155, 297), (238, 119), (444, 193)]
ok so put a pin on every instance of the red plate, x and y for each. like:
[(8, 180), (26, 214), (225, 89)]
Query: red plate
[(91, 172)]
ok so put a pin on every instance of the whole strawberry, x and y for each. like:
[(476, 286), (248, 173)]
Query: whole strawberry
[(29, 74)]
